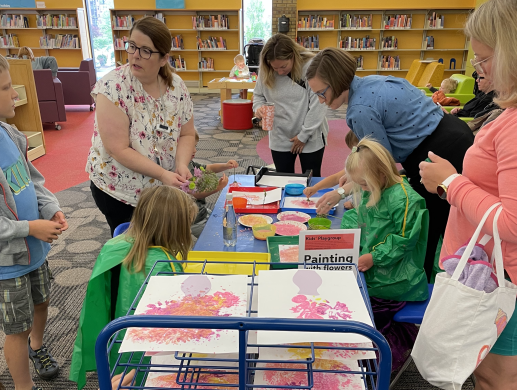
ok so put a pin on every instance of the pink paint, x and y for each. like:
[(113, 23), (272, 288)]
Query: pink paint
[(169, 381), (289, 255), (322, 381), (189, 305), (287, 230), (304, 203), (320, 309), (294, 217)]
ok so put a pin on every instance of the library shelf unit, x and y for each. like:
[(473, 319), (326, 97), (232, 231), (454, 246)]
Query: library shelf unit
[(27, 118), (30, 36), (449, 40), (180, 22)]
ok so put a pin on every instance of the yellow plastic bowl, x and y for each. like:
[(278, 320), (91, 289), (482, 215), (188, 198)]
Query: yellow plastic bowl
[(262, 232)]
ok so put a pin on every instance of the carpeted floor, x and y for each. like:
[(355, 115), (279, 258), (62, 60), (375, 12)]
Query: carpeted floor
[(73, 255)]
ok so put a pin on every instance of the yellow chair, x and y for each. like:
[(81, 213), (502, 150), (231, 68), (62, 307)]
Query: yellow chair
[(421, 73)]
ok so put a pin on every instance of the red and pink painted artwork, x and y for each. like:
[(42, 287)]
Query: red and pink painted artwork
[(288, 253), (169, 381), (194, 295), (322, 380)]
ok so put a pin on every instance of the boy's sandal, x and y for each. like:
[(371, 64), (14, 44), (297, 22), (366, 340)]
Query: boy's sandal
[(44, 364)]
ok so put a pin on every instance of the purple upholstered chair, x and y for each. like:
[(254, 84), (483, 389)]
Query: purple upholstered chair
[(50, 97), (78, 83)]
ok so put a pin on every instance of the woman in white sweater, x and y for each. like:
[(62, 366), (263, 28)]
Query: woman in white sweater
[(299, 127)]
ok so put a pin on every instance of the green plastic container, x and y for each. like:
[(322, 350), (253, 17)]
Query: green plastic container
[(319, 223), (272, 248)]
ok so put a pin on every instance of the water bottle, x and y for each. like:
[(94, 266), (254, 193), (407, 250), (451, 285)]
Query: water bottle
[(229, 223)]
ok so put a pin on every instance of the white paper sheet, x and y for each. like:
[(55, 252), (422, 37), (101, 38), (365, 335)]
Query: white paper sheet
[(169, 379), (293, 353), (313, 294), (260, 198), (298, 202), (288, 253), (322, 380), (189, 295), (281, 181)]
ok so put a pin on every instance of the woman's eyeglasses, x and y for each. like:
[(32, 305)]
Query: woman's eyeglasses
[(477, 65), (322, 94), (145, 53)]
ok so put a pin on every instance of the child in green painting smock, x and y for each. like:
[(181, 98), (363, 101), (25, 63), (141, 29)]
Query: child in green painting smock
[(159, 230)]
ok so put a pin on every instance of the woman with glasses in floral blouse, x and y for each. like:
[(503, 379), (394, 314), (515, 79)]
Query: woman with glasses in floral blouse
[(144, 132)]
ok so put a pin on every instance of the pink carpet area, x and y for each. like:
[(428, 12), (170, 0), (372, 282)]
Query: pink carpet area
[(336, 150)]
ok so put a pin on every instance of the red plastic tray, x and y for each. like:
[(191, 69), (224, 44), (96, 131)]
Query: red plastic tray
[(268, 208)]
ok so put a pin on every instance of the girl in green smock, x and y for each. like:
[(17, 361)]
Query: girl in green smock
[(159, 230), (394, 222)]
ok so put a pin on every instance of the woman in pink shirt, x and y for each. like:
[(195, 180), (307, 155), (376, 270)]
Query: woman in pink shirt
[(489, 173)]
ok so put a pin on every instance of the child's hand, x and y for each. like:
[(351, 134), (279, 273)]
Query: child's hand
[(429, 85), (43, 230), (232, 164), (115, 381), (59, 217), (223, 181), (348, 205), (454, 111), (309, 191), (365, 262)]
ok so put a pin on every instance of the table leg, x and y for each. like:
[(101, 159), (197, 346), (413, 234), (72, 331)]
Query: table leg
[(225, 95)]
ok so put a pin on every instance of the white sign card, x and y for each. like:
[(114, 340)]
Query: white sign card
[(260, 198), (323, 249), (281, 181)]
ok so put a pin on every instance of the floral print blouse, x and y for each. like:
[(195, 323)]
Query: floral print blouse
[(154, 130)]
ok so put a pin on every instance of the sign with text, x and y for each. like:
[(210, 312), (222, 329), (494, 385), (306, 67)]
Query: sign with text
[(17, 3), (170, 4), (329, 250)]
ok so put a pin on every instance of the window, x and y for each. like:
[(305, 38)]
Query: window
[(100, 35), (258, 15)]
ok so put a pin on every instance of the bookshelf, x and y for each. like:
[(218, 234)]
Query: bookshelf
[(48, 32), (27, 118), (204, 42), (387, 42)]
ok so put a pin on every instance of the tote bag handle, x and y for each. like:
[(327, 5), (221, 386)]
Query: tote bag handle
[(499, 265), (464, 258)]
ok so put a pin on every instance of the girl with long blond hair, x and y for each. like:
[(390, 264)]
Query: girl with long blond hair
[(159, 230), (489, 173), (299, 127), (394, 223)]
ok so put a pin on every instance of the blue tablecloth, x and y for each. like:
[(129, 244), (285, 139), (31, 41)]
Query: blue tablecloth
[(211, 239)]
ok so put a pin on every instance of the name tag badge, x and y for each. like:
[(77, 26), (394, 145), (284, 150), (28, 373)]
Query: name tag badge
[(163, 127)]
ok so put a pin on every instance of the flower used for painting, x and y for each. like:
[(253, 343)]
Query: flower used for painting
[(201, 181)]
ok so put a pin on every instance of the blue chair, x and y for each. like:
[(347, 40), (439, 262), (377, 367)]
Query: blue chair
[(412, 313), (122, 228)]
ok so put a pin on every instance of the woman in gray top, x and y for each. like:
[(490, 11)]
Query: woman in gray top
[(299, 127), (45, 62)]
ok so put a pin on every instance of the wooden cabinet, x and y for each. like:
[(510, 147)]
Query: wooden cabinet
[(27, 118)]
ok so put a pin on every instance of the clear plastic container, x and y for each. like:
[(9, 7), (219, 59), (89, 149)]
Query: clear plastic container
[(229, 223)]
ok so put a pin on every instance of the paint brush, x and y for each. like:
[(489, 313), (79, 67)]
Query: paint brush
[(264, 201)]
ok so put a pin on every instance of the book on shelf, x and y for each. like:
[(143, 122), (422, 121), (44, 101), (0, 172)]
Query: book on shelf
[(9, 40), (212, 43), (14, 21), (315, 21), (311, 43), (120, 43), (366, 43), (360, 62), (356, 21), (123, 22), (59, 41), (390, 63), (213, 22), (429, 40), (206, 64), (177, 43), (178, 63), (397, 21), (160, 17), (56, 21), (435, 21), (389, 43)]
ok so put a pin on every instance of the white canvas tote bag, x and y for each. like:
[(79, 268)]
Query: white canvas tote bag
[(461, 324)]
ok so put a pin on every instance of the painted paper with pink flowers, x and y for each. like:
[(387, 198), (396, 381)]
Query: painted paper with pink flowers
[(322, 380), (189, 295), (311, 294), (321, 351)]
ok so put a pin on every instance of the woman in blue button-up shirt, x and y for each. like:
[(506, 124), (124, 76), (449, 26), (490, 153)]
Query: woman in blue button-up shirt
[(400, 117)]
